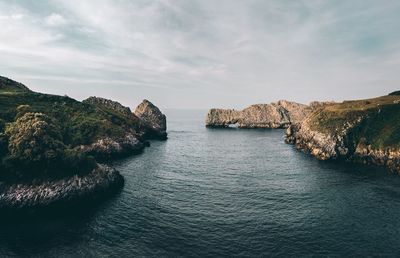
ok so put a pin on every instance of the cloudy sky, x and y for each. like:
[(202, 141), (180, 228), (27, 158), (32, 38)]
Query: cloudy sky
[(203, 53)]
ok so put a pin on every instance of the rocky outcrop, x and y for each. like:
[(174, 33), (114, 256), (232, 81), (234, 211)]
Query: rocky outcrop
[(62, 136), (108, 148), (389, 157), (152, 125), (222, 117), (153, 119), (346, 132), (274, 115), (101, 180), (322, 145), (113, 105)]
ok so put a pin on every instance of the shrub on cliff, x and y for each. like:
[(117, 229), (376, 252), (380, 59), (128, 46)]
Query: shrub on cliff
[(34, 143), (35, 148)]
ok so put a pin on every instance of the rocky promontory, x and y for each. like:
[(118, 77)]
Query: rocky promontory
[(148, 122), (364, 131), (155, 122), (50, 145), (43, 194), (275, 115)]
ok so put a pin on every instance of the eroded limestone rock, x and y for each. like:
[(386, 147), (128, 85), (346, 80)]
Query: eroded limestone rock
[(153, 119), (274, 115)]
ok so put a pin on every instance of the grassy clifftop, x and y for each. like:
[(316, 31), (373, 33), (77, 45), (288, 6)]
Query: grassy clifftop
[(41, 133), (81, 123), (379, 125), (10, 86)]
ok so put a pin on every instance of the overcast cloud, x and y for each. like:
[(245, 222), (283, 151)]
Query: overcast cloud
[(203, 53)]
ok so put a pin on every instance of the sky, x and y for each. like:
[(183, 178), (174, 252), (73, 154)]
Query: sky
[(200, 54)]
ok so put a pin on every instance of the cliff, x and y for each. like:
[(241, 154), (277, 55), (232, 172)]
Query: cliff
[(102, 180), (58, 141), (274, 115), (366, 131), (154, 122), (110, 104)]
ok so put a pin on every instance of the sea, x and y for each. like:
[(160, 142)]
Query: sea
[(223, 193)]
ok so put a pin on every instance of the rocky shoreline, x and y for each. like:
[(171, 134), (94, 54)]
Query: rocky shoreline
[(341, 147), (102, 180), (359, 131), (108, 148), (47, 137), (353, 136)]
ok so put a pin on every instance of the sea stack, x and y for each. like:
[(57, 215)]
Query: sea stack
[(153, 119)]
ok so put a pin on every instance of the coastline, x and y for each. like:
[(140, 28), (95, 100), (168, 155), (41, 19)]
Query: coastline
[(102, 180)]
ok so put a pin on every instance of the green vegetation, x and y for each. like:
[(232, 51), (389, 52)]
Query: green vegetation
[(39, 132), (380, 126)]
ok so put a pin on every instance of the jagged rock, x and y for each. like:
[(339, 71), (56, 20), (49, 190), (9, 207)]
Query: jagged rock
[(322, 145), (340, 131), (107, 148), (44, 194), (109, 130), (222, 117), (274, 115), (113, 105), (153, 119)]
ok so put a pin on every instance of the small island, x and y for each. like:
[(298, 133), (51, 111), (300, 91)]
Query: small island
[(51, 146)]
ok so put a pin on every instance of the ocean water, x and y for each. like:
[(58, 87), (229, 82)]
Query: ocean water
[(223, 193)]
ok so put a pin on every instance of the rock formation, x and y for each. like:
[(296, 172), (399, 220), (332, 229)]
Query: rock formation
[(101, 180), (48, 142), (152, 125), (108, 148), (113, 105), (358, 131), (274, 115), (153, 119)]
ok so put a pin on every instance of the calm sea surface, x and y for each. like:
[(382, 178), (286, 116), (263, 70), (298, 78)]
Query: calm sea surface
[(223, 193)]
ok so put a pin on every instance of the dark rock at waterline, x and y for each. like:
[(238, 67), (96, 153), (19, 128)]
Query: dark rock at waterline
[(102, 180)]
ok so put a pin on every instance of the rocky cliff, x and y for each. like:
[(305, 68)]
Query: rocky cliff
[(102, 180), (154, 121), (50, 145), (113, 105), (274, 115), (149, 123), (365, 131)]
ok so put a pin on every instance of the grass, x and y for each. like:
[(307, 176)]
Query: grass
[(47, 146), (81, 123), (380, 127)]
